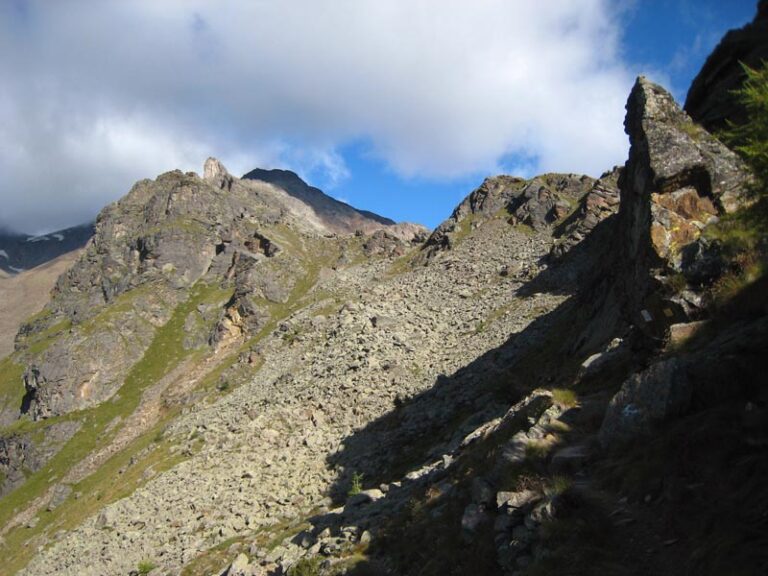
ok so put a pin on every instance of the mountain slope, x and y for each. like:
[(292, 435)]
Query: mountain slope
[(24, 294), (338, 215), (232, 380), (19, 252)]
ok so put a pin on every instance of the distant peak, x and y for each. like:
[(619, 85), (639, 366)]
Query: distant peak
[(275, 176), (214, 169)]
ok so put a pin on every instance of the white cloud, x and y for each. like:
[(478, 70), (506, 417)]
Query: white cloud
[(96, 94)]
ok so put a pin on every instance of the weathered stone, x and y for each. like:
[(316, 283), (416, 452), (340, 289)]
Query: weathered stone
[(658, 392), (677, 179), (514, 501)]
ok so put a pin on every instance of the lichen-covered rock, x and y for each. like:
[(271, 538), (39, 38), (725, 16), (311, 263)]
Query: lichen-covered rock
[(537, 203), (677, 180)]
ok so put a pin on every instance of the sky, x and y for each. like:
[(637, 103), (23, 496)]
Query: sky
[(394, 106)]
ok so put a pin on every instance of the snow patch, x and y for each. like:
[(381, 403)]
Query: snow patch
[(17, 270), (4, 254), (59, 237), (37, 238)]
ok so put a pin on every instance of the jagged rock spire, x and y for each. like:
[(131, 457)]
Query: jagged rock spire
[(214, 169), (215, 172)]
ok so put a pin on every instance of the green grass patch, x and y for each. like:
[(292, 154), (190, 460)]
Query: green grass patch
[(306, 567), (163, 354), (463, 229), (145, 567), (564, 397), (122, 304), (11, 383), (36, 343), (537, 449)]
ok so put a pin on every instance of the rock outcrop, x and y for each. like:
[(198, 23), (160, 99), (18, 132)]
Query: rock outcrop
[(151, 247), (677, 180), (538, 204)]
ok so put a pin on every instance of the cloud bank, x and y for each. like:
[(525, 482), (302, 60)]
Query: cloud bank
[(97, 94)]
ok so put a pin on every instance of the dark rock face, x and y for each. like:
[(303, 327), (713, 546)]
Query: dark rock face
[(710, 101), (26, 453), (674, 386), (338, 216), (677, 180), (21, 251), (601, 202)]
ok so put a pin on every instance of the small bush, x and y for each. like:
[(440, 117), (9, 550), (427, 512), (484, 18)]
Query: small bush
[(357, 484)]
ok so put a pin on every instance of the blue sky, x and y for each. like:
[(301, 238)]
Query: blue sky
[(394, 106), (667, 40)]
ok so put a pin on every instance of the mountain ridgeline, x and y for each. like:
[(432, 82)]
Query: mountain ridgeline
[(245, 377)]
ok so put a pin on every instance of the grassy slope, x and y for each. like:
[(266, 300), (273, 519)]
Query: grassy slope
[(165, 352)]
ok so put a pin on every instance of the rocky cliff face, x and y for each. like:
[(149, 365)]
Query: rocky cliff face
[(677, 180), (242, 377), (148, 250)]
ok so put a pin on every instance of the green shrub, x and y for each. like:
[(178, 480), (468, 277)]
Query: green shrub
[(750, 139), (357, 484)]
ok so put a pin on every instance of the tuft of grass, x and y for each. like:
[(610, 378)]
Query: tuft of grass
[(693, 130), (559, 485), (537, 449), (306, 567), (145, 567), (564, 398)]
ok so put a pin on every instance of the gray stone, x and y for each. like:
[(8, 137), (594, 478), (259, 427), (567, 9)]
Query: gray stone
[(646, 398)]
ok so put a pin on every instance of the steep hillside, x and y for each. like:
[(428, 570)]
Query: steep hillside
[(207, 321), (245, 377), (26, 293)]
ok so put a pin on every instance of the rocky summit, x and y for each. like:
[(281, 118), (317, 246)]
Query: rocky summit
[(246, 377)]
